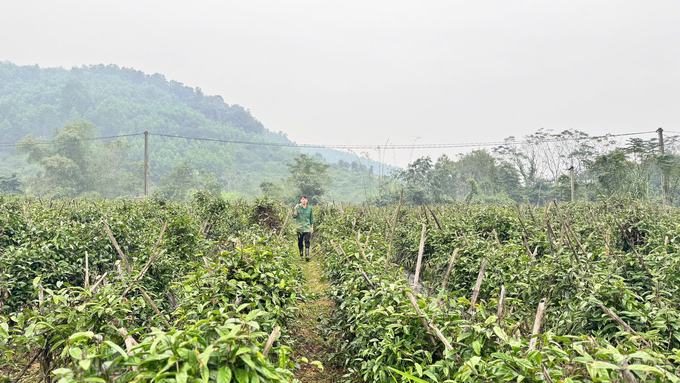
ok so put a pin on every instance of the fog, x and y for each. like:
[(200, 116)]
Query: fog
[(367, 72)]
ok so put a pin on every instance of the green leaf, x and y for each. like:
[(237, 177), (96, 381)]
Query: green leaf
[(500, 333), (643, 367), (75, 352), (224, 375), (116, 348), (407, 375), (241, 375), (80, 335), (477, 345), (85, 364), (606, 365)]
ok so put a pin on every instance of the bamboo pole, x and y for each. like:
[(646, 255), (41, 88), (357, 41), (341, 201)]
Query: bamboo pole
[(414, 303), (284, 224), (501, 304), (537, 325), (421, 249), (478, 285), (153, 305), (270, 341), (125, 259), (142, 273), (87, 270), (448, 271)]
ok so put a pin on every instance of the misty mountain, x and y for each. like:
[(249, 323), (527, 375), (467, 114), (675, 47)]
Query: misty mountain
[(121, 101)]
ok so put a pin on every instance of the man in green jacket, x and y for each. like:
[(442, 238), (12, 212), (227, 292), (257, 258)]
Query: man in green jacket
[(305, 225)]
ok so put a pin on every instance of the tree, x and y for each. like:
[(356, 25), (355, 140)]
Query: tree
[(181, 179), (309, 178), (65, 160), (10, 185)]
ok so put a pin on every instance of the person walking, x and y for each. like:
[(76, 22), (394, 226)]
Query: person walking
[(305, 225)]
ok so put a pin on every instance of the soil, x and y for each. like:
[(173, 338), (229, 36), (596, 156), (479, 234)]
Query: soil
[(309, 340)]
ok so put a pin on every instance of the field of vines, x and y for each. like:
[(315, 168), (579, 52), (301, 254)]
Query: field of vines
[(208, 291)]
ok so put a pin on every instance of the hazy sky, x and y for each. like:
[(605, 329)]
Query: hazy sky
[(354, 72)]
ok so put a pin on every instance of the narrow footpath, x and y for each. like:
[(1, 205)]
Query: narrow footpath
[(311, 341)]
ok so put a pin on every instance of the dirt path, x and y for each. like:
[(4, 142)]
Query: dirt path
[(310, 341)]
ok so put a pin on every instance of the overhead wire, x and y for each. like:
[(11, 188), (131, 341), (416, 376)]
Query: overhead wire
[(345, 146)]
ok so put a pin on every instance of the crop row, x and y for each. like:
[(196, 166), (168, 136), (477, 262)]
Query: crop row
[(118, 291), (579, 292)]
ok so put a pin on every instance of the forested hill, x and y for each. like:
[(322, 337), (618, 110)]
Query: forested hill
[(38, 101)]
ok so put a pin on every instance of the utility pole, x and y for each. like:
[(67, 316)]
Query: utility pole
[(146, 163), (664, 176), (571, 176)]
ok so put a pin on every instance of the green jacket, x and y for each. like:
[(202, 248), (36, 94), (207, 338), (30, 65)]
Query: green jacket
[(304, 219)]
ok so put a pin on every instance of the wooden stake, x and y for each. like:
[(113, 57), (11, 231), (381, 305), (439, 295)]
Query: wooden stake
[(361, 249), (392, 227), (421, 249), (284, 224), (501, 304), (41, 300), (623, 324), (172, 299), (160, 237), (207, 264), (153, 305), (99, 281), (123, 257), (441, 337), (537, 325), (141, 273), (448, 271), (270, 341), (478, 285), (87, 270), (495, 235), (465, 238), (414, 303)]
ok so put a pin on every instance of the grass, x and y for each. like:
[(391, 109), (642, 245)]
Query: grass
[(308, 336)]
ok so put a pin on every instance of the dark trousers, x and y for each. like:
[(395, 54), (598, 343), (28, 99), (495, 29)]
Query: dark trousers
[(303, 237)]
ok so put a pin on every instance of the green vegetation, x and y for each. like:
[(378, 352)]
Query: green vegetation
[(595, 284), (56, 113), (185, 292), (573, 292)]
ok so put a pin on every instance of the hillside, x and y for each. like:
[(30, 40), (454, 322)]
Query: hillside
[(118, 101)]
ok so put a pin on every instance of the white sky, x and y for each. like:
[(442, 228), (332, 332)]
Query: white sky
[(356, 72)]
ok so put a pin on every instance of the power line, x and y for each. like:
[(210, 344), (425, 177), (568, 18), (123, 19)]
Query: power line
[(348, 146), (69, 141), (402, 146)]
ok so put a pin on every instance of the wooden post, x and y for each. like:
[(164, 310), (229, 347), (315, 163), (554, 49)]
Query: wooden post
[(123, 257), (99, 281), (448, 271), (478, 285), (414, 303), (441, 337), (664, 175), (41, 300), (270, 341), (153, 305), (87, 270), (361, 249), (495, 235), (393, 226), (501, 304), (284, 224), (421, 249), (571, 177), (146, 164), (142, 273), (537, 324)]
